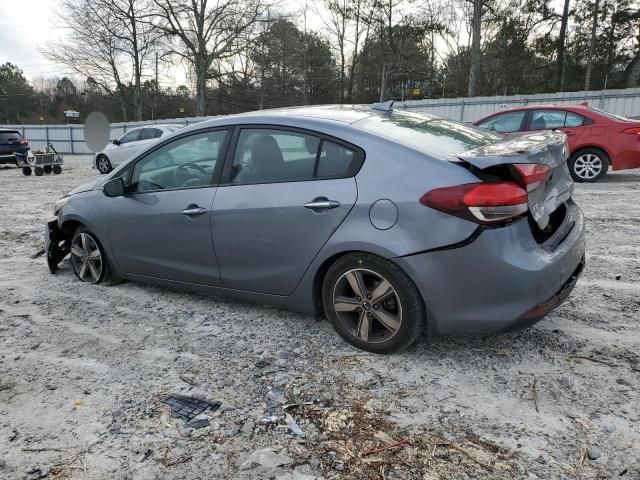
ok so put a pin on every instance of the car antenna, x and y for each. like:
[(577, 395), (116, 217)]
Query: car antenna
[(384, 106)]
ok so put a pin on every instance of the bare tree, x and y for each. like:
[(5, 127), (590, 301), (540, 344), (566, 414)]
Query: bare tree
[(109, 41), (207, 31), (476, 53), (592, 41), (561, 44)]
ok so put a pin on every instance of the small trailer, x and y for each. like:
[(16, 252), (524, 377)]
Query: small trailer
[(40, 162)]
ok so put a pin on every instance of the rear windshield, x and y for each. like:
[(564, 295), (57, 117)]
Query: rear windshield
[(9, 137), (609, 115), (426, 133)]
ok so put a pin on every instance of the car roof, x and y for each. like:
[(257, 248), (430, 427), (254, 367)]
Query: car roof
[(9, 130), (333, 113)]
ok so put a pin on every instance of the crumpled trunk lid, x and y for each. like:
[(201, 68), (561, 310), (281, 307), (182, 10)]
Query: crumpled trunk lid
[(545, 148)]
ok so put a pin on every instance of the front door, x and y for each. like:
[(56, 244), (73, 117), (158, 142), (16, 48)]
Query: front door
[(161, 228), (286, 193), (125, 148)]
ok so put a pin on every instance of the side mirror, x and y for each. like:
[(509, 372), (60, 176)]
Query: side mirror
[(114, 188), (116, 142)]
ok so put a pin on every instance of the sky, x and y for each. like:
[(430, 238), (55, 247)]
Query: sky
[(27, 25)]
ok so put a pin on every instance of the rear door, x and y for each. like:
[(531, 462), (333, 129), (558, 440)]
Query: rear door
[(125, 148), (286, 192), (148, 136), (553, 119)]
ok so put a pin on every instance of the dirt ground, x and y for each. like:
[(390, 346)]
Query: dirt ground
[(84, 370)]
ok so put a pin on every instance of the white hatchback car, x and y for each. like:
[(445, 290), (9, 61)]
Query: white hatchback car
[(132, 142)]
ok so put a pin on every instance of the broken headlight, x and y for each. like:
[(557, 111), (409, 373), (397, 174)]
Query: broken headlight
[(58, 204)]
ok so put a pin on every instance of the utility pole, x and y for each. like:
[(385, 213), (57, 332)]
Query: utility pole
[(383, 83)]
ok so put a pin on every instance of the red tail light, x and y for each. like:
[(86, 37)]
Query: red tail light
[(486, 203), (632, 130), (533, 175), (24, 142)]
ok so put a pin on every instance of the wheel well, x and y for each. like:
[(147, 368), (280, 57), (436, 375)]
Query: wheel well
[(69, 227), (592, 147), (319, 278)]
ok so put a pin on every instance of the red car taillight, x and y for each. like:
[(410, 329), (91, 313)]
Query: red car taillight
[(486, 203), (24, 142), (533, 175), (632, 130)]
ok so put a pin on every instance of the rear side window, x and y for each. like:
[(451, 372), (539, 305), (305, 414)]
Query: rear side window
[(426, 133), (574, 120), (158, 133), (504, 123), (547, 119), (149, 133), (335, 160), (10, 137), (268, 156)]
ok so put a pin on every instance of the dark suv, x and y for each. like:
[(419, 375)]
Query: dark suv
[(11, 142)]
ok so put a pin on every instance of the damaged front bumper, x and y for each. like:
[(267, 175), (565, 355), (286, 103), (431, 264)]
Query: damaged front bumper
[(57, 245)]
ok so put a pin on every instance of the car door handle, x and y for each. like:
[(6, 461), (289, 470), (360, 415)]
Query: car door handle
[(194, 211), (322, 203)]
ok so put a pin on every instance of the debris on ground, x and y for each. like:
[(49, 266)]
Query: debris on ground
[(187, 408), (266, 457)]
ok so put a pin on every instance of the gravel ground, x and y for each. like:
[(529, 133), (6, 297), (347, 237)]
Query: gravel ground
[(84, 370)]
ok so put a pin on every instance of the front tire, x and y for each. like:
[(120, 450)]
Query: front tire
[(588, 165), (103, 164), (372, 303), (87, 257)]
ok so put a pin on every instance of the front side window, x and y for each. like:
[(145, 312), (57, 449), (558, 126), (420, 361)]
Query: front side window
[(547, 119), (504, 123), (131, 136), (267, 156), (184, 163)]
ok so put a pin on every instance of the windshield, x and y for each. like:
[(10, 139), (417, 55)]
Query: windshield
[(427, 133)]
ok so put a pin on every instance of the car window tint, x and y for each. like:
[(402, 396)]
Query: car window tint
[(504, 123), (184, 163), (131, 136), (335, 160), (148, 133), (547, 119), (573, 120), (264, 155), (10, 137)]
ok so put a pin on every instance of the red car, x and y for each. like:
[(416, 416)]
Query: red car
[(597, 139)]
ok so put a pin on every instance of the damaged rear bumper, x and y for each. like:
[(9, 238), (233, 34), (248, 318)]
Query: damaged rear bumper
[(57, 245)]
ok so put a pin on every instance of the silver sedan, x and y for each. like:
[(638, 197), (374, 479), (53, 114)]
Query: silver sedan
[(389, 223)]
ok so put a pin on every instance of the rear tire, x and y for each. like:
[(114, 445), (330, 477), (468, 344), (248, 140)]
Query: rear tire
[(588, 165), (57, 169), (372, 303), (47, 169), (103, 164), (26, 171), (38, 171)]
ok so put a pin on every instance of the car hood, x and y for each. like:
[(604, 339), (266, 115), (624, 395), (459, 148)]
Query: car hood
[(85, 187)]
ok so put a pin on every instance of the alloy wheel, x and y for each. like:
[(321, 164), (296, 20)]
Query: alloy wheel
[(103, 165), (587, 166), (368, 305), (86, 258)]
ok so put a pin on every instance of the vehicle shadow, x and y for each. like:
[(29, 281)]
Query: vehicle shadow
[(621, 177)]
